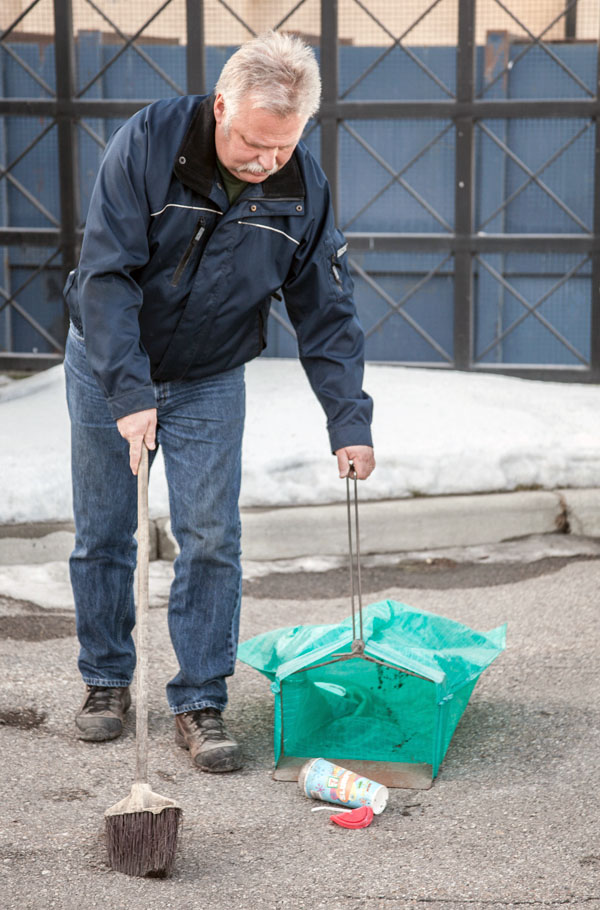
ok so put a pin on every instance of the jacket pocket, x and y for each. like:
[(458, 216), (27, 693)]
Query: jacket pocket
[(69, 282), (336, 264), (189, 252), (263, 322), (70, 295)]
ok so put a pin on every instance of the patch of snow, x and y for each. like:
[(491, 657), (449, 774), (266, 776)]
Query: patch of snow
[(436, 432)]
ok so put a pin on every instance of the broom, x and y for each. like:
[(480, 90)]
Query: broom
[(142, 829)]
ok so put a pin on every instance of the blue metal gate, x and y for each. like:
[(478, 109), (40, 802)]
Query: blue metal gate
[(465, 174)]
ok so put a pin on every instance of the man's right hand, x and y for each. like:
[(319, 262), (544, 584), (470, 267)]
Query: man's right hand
[(137, 428)]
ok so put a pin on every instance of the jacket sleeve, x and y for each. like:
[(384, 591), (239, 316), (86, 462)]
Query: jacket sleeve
[(115, 244), (319, 300)]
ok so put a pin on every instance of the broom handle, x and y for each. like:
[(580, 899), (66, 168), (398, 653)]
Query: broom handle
[(143, 558), (358, 643)]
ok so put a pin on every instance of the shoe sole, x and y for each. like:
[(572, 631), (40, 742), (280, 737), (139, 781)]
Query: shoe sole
[(94, 735), (99, 733), (231, 762)]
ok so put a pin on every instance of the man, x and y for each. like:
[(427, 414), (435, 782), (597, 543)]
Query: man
[(203, 208)]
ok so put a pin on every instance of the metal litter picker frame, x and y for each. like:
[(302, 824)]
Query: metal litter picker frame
[(402, 775)]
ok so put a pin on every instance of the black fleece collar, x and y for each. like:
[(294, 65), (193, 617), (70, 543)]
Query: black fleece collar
[(196, 160)]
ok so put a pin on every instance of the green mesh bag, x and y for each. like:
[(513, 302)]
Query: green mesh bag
[(395, 696)]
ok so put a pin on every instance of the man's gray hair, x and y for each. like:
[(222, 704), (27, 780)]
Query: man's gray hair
[(277, 71)]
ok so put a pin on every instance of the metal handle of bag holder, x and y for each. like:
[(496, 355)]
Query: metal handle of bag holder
[(358, 644)]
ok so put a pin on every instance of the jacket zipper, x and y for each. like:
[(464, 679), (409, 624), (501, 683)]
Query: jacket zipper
[(195, 240)]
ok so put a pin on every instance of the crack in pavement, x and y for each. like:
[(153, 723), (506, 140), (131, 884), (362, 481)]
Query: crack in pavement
[(488, 902)]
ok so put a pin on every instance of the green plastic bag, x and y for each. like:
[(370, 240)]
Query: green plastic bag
[(398, 701)]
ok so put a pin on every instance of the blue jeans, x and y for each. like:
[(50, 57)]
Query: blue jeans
[(200, 426)]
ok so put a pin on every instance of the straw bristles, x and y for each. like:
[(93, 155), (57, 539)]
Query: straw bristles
[(143, 843)]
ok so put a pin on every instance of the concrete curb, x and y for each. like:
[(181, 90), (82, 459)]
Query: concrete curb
[(394, 526), (391, 526), (47, 541)]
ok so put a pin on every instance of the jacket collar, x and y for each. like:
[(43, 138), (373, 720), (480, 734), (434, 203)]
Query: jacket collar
[(196, 161)]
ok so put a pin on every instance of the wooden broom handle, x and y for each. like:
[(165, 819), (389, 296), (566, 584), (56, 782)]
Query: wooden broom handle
[(141, 620)]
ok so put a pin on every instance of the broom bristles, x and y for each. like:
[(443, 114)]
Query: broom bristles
[(143, 843)]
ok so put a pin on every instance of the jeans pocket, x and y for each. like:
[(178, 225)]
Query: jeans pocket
[(76, 334)]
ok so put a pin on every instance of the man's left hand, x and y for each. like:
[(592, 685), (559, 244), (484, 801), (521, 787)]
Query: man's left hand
[(362, 458)]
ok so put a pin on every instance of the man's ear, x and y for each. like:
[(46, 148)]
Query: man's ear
[(219, 108)]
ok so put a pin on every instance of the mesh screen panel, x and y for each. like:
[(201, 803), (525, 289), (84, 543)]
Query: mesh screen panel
[(397, 50), (392, 175), (396, 175), (230, 23), (110, 64), (537, 50), (31, 305), (29, 161), (27, 49), (405, 304), (556, 286), (535, 176)]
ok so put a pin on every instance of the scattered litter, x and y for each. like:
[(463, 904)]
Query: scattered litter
[(339, 809), (357, 818), (322, 779)]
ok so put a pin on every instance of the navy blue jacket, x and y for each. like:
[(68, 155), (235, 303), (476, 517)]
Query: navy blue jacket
[(174, 283)]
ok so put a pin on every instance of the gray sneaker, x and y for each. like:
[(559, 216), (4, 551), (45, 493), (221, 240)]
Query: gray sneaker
[(210, 745), (102, 713)]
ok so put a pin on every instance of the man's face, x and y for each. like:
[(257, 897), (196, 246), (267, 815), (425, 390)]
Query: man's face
[(255, 143)]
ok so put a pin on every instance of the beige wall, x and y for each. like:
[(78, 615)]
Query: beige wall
[(438, 27), (589, 15), (441, 24), (221, 27)]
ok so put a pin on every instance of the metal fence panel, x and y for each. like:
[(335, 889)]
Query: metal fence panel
[(461, 139)]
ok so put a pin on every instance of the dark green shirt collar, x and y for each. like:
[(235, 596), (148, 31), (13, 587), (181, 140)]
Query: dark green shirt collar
[(234, 186)]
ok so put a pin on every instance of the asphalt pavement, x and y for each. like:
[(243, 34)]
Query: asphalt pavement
[(512, 820)]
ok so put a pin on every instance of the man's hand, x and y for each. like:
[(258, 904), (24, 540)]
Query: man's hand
[(362, 457), (137, 428)]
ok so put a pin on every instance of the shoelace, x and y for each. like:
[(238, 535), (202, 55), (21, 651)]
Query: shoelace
[(100, 699), (209, 725)]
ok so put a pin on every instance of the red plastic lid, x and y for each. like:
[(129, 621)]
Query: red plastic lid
[(357, 818)]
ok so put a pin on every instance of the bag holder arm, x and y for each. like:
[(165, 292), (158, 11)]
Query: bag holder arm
[(358, 644)]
